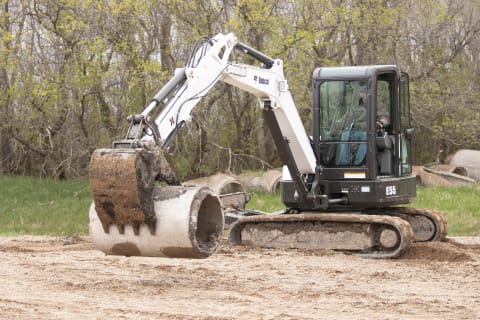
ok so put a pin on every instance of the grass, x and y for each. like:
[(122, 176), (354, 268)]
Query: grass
[(40, 206), (264, 201), (459, 205)]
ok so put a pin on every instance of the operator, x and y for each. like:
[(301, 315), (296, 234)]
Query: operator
[(357, 131), (383, 115)]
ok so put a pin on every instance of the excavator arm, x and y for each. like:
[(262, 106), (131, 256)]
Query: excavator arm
[(210, 63)]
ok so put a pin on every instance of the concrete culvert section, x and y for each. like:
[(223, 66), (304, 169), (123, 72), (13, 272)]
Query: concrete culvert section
[(432, 176), (209, 222), (189, 224), (468, 161), (230, 190), (269, 181)]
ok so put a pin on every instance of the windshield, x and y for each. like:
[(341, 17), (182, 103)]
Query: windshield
[(342, 105), (343, 122)]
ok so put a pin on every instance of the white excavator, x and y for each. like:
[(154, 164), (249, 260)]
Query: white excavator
[(342, 186)]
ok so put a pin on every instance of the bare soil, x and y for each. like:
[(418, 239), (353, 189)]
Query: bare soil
[(65, 278)]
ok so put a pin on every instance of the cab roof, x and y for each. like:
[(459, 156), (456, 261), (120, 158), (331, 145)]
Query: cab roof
[(354, 72)]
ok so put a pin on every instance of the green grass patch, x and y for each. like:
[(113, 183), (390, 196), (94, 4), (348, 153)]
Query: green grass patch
[(264, 201), (41, 206), (459, 205)]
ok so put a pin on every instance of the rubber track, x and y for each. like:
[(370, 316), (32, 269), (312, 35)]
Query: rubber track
[(402, 228), (439, 233)]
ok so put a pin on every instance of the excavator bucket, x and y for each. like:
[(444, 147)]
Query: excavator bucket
[(132, 216), (122, 182)]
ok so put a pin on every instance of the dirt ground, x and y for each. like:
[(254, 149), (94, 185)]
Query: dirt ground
[(65, 278)]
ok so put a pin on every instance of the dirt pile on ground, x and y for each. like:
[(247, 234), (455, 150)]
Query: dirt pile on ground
[(441, 252), (65, 278)]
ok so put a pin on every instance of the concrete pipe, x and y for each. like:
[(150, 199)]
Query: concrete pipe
[(425, 178), (189, 224), (228, 188), (269, 181), (449, 174), (468, 161)]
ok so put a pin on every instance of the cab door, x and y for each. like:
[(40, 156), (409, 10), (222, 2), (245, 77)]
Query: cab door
[(406, 130)]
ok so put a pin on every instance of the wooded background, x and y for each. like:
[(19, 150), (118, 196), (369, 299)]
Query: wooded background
[(72, 70)]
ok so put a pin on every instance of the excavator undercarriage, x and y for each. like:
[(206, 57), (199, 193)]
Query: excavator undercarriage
[(378, 233)]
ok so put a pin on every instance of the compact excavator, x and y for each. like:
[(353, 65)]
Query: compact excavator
[(342, 185)]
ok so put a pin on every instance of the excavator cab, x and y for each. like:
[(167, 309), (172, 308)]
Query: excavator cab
[(362, 135)]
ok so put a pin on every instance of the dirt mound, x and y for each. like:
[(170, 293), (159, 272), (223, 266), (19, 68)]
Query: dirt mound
[(440, 251)]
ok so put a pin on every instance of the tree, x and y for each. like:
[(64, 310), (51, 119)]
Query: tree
[(71, 71)]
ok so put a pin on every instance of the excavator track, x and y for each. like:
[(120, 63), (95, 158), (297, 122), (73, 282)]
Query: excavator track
[(427, 224), (368, 236)]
